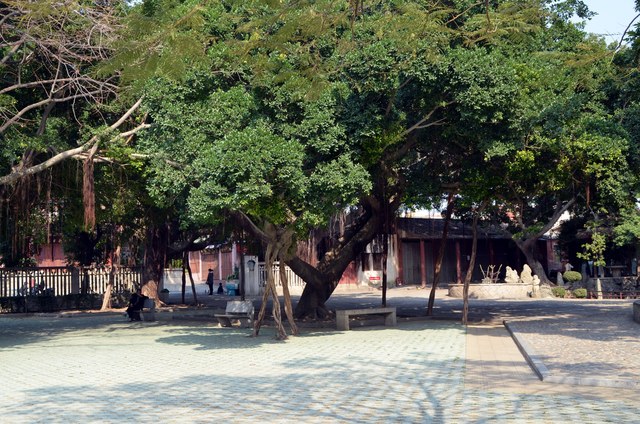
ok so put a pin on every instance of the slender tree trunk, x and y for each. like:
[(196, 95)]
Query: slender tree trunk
[(385, 253), (469, 275), (288, 307), (265, 297), (443, 245), (115, 264), (88, 191), (472, 263), (185, 260), (106, 298), (184, 280), (270, 290)]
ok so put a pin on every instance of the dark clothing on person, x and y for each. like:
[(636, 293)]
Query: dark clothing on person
[(210, 281), (136, 303), (220, 289)]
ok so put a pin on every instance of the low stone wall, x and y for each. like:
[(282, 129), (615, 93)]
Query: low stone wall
[(636, 311), (34, 304), (492, 291)]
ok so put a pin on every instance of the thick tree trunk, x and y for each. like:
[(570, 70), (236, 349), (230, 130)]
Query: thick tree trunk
[(312, 301), (155, 256), (528, 249), (323, 279), (528, 246)]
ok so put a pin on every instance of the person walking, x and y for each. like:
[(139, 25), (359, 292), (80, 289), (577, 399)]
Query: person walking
[(210, 281)]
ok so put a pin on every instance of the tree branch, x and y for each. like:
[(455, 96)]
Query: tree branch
[(421, 123), (44, 102), (250, 226), (133, 131), (624, 34), (16, 174), (43, 82), (559, 210)]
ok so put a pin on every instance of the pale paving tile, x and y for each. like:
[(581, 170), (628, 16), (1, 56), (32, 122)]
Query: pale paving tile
[(102, 371)]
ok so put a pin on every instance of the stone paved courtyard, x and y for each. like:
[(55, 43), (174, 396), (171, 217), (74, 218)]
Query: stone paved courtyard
[(104, 369)]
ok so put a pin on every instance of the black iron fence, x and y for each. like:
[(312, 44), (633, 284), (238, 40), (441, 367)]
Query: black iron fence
[(62, 281)]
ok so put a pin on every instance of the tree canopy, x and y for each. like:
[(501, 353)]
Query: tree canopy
[(283, 115)]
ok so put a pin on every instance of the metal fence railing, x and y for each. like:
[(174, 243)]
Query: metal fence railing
[(292, 278), (622, 294), (61, 281)]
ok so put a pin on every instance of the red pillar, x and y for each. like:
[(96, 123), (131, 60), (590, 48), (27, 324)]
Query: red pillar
[(423, 265), (458, 263)]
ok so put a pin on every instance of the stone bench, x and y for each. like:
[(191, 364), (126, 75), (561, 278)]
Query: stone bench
[(237, 310), (342, 316)]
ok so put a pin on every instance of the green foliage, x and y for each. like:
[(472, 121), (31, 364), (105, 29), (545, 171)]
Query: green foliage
[(580, 293), (559, 292), (628, 229), (572, 276), (291, 111), (160, 39), (250, 170), (594, 251)]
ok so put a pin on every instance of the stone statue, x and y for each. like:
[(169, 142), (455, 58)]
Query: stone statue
[(535, 287), (511, 276), (526, 276)]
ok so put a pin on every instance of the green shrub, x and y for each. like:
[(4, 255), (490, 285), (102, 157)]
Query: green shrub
[(558, 291), (572, 276), (580, 293)]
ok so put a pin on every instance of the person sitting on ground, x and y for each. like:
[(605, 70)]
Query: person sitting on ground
[(220, 289), (136, 303)]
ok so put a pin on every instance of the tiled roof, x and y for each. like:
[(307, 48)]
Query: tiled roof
[(427, 228)]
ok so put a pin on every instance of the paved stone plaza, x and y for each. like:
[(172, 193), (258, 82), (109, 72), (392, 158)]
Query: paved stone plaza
[(104, 369)]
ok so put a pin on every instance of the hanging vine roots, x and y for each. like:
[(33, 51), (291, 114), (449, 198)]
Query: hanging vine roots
[(279, 244)]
